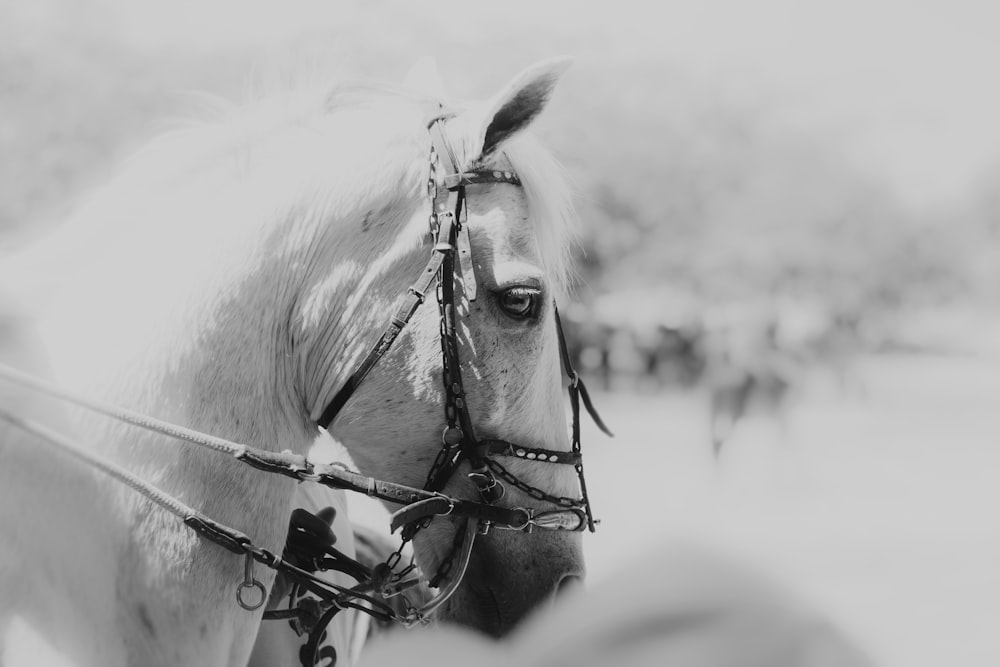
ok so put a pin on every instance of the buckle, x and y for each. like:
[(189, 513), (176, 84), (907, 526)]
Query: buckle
[(490, 488), (574, 380), (453, 181), (417, 293)]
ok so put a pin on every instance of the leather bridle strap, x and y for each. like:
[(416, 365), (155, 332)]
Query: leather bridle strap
[(576, 384), (418, 503), (428, 503), (448, 212), (452, 249), (412, 299), (504, 448), (459, 436)]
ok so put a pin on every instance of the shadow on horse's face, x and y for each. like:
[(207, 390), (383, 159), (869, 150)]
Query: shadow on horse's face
[(511, 575)]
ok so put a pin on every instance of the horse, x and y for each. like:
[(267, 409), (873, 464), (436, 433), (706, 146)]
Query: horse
[(236, 279)]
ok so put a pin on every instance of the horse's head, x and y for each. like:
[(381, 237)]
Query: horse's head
[(505, 283)]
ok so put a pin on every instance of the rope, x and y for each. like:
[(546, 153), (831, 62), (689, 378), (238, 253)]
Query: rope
[(224, 536), (123, 414), (111, 469), (290, 465)]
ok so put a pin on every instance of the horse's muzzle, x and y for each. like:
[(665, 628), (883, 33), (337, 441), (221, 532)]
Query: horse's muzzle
[(512, 574)]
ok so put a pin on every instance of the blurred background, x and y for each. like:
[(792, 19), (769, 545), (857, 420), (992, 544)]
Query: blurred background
[(789, 269)]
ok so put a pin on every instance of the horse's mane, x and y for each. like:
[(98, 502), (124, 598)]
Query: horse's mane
[(237, 128), (205, 156)]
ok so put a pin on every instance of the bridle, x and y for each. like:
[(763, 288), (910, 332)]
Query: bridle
[(309, 549), (451, 255)]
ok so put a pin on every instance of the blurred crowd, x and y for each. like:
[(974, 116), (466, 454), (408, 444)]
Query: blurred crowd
[(746, 357), (643, 342)]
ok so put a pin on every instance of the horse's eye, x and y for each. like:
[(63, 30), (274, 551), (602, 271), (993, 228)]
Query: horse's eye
[(520, 303)]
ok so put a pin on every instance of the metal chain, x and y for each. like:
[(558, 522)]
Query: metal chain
[(396, 556), (449, 562), (447, 455), (533, 491)]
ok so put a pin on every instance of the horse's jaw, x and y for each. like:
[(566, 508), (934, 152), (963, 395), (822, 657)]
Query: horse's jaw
[(510, 575)]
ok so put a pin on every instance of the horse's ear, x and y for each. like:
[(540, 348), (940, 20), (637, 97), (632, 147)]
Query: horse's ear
[(517, 105), (424, 77)]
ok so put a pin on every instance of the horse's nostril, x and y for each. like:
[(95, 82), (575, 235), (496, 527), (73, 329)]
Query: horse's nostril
[(567, 584)]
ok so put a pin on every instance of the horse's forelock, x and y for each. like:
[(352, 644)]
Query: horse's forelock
[(546, 187), (549, 197)]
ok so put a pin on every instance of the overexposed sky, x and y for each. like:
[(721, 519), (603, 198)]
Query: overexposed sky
[(908, 90)]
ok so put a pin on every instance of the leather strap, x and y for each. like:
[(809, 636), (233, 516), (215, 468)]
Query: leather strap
[(442, 506), (576, 382), (504, 448), (415, 296), (424, 503)]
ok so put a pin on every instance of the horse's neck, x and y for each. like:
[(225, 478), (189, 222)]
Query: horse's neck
[(200, 334), (217, 368), (222, 371)]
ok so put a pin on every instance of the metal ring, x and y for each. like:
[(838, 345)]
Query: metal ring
[(451, 504), (249, 581), (308, 473), (458, 434), (253, 584), (527, 522)]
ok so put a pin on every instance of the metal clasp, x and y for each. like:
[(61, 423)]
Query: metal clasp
[(490, 488), (528, 521), (566, 519)]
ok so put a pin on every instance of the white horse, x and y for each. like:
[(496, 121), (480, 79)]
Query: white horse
[(229, 281)]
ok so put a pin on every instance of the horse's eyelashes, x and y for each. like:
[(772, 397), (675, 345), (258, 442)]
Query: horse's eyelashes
[(520, 302)]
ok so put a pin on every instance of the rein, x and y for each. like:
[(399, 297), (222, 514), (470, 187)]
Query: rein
[(450, 257)]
